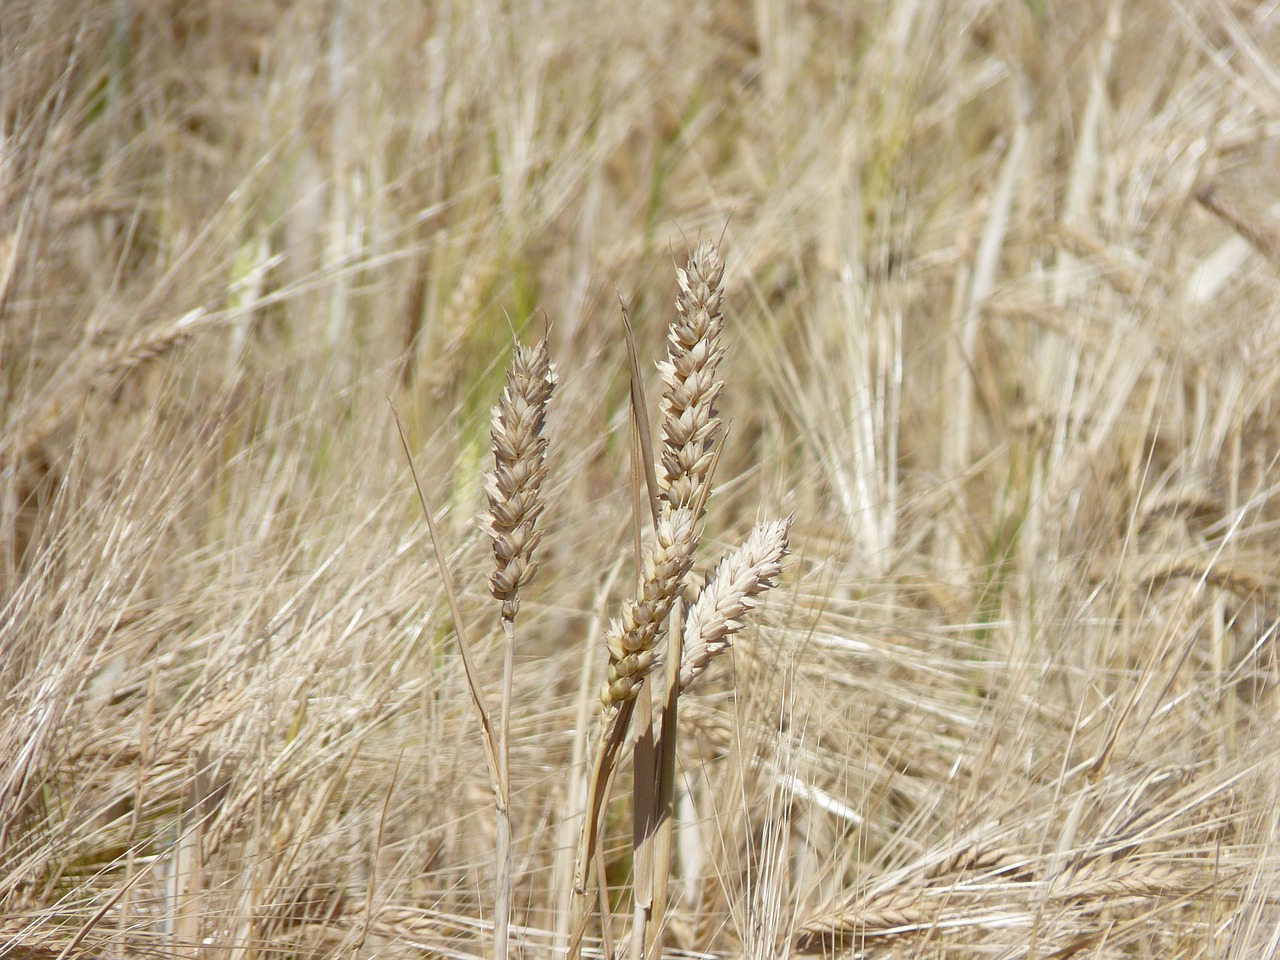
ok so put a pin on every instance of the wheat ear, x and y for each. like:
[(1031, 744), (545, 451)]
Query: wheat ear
[(514, 490), (632, 638), (690, 422), (736, 586)]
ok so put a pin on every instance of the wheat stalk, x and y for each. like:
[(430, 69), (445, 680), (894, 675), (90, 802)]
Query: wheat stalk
[(678, 496), (690, 428), (514, 490)]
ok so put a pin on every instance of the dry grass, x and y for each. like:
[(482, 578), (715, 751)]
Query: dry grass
[(999, 296)]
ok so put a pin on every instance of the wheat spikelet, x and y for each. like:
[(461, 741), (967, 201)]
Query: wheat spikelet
[(442, 355), (632, 638), (975, 857), (735, 587), (124, 358), (1244, 583), (153, 343), (1126, 879), (689, 418), (174, 741), (888, 915), (514, 486)]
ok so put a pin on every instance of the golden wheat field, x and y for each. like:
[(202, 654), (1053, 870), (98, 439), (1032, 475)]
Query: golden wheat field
[(901, 579)]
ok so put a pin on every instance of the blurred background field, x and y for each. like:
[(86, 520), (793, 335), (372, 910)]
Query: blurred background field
[(1003, 337)]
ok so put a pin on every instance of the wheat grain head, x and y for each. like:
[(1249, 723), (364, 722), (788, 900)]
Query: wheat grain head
[(736, 586), (690, 422), (514, 487), (633, 637)]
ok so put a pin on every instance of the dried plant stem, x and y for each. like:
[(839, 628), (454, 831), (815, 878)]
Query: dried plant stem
[(613, 733), (494, 742), (478, 700), (644, 807), (576, 782), (504, 849), (666, 776)]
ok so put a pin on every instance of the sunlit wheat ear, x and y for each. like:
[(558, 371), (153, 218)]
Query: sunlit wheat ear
[(514, 486), (689, 418), (632, 639), (740, 579)]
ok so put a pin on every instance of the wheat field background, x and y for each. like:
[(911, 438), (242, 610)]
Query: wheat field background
[(1001, 311)]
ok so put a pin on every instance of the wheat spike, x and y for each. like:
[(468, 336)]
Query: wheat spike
[(632, 638), (689, 418), (736, 586), (514, 486)]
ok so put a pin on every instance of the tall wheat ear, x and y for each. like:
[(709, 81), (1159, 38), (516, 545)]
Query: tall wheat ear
[(691, 444), (690, 421), (514, 492), (514, 488)]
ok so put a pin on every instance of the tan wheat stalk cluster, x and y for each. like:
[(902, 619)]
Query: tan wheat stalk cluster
[(678, 496), (690, 426)]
